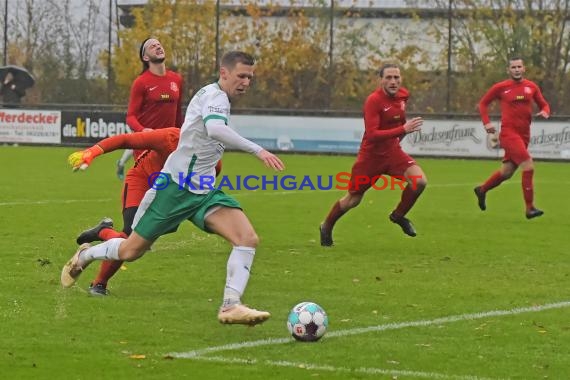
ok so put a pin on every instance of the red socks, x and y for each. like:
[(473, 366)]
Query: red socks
[(409, 197), (494, 180), (334, 215), (528, 189), (106, 271), (109, 233)]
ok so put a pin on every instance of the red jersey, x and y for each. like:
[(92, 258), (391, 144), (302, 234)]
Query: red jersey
[(157, 146), (384, 119), (516, 107), (155, 101)]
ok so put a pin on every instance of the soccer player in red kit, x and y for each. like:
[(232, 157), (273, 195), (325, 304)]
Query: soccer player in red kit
[(155, 100), (515, 96), (157, 146), (380, 153)]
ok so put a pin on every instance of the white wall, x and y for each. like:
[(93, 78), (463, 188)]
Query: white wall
[(440, 138)]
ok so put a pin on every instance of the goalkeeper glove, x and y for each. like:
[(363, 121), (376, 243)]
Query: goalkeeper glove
[(82, 159)]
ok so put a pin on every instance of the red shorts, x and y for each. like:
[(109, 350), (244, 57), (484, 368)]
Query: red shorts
[(515, 147), (134, 189), (394, 163)]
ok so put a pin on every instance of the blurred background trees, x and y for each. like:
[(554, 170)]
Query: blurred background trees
[(58, 47), (486, 33), (319, 56)]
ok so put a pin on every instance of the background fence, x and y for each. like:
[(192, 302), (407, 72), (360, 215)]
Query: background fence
[(313, 55), (462, 138)]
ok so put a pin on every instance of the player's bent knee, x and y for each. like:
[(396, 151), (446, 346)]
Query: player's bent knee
[(350, 201), (131, 254), (249, 240), (421, 184), (252, 240), (417, 182), (354, 202), (527, 165)]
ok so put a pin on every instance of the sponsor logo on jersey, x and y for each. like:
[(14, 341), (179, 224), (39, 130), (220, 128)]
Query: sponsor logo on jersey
[(218, 109)]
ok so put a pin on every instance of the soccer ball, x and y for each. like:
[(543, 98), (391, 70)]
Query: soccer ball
[(307, 322)]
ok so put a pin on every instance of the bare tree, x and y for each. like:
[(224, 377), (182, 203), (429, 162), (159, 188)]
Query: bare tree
[(59, 41), (487, 32)]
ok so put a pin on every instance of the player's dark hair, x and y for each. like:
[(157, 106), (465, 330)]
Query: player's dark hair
[(386, 66), (141, 55), (232, 58), (514, 58)]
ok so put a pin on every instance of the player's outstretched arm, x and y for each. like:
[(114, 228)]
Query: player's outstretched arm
[(270, 160), (82, 159), (154, 140), (221, 132)]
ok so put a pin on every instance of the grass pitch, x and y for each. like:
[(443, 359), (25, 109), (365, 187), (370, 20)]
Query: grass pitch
[(476, 295)]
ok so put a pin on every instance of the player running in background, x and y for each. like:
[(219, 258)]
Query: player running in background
[(202, 142), (515, 96), (380, 153), (157, 146), (156, 96)]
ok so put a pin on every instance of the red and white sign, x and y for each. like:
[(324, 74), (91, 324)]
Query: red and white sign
[(30, 126)]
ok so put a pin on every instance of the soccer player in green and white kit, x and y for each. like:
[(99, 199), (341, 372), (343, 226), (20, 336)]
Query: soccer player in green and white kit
[(203, 137)]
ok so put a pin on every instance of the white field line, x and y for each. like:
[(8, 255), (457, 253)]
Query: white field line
[(53, 201), (386, 327), (362, 370)]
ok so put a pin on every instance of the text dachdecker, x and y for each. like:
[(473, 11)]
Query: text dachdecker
[(39, 118)]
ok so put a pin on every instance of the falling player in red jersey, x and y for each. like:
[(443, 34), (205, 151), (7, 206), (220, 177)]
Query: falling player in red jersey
[(515, 96), (155, 100), (156, 147), (380, 153)]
